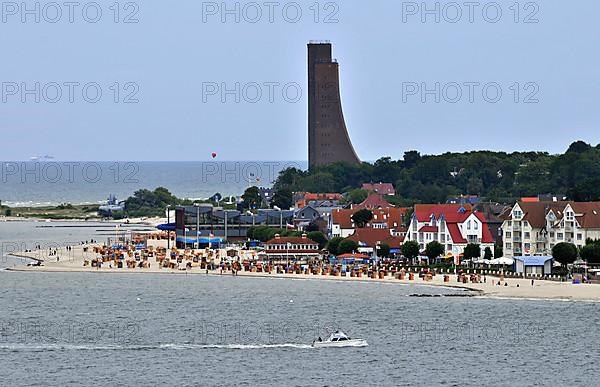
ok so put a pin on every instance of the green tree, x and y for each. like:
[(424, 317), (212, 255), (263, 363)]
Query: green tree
[(434, 249), (487, 253), (347, 246), (312, 226), (498, 251), (384, 250), (591, 253), (472, 250), (357, 196), (251, 198), (410, 249), (150, 203), (318, 237), (362, 217), (564, 253), (333, 244), (282, 198)]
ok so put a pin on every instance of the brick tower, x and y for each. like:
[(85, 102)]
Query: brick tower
[(328, 139)]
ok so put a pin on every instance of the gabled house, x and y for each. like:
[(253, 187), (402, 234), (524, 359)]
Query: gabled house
[(392, 219), (368, 240), (304, 216), (452, 225)]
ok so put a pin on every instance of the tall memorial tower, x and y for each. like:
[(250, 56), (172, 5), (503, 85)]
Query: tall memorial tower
[(328, 139)]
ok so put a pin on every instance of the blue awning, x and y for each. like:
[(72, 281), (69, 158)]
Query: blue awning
[(203, 240), (166, 227), (534, 260)]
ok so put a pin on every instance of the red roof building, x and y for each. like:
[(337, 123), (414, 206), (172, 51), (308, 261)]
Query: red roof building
[(368, 239), (380, 188), (373, 201), (312, 198), (452, 225), (383, 218), (292, 248)]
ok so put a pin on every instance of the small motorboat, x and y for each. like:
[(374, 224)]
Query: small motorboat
[(339, 339)]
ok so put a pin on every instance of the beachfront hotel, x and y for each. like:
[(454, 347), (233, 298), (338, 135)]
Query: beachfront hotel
[(534, 228)]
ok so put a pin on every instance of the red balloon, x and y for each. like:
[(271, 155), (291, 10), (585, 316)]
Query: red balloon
[(214, 155)]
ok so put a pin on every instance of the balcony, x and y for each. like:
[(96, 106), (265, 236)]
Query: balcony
[(517, 239)]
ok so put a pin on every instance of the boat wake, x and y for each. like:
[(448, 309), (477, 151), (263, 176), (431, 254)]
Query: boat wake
[(180, 347)]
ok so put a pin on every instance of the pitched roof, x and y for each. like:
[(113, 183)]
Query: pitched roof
[(451, 212), (454, 214), (380, 188), (370, 237), (586, 213), (455, 233), (393, 217), (373, 201), (535, 212), (590, 213)]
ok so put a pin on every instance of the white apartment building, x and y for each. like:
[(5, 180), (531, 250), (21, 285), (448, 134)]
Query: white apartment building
[(534, 228)]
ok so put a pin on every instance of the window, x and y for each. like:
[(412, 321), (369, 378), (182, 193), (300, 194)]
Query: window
[(559, 235), (527, 235), (579, 237), (469, 225), (509, 246), (476, 225), (508, 234)]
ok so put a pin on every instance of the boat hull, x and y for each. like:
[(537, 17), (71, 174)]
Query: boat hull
[(341, 344)]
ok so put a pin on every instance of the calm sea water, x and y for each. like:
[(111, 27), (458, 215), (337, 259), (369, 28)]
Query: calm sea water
[(51, 183), (128, 329)]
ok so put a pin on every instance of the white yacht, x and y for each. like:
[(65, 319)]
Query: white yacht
[(339, 339)]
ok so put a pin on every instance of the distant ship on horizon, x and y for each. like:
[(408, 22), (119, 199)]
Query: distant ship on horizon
[(38, 158)]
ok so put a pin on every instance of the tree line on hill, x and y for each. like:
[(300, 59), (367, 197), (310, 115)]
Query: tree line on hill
[(497, 176)]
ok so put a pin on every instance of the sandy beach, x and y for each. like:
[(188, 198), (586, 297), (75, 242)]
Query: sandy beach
[(71, 262)]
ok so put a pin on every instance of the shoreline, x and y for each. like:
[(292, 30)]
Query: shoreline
[(517, 288)]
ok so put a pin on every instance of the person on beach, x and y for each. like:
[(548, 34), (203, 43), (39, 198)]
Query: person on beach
[(532, 282)]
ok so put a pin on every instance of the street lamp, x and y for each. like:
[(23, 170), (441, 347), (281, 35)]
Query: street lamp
[(168, 223), (287, 255), (280, 216), (197, 225)]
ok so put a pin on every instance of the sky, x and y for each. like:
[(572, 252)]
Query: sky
[(167, 74)]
